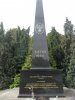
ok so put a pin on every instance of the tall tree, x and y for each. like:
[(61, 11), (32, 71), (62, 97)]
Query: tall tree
[(70, 78), (21, 49), (1, 49), (15, 50), (68, 30), (1, 39), (56, 53), (8, 61), (27, 62)]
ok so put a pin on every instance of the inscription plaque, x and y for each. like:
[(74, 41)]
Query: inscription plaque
[(44, 82)]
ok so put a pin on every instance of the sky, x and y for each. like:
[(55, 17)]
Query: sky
[(21, 13)]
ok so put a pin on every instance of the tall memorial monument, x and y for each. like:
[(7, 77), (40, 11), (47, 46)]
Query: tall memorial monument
[(41, 79), (40, 51)]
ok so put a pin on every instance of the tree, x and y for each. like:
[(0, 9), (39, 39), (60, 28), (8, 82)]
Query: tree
[(68, 29), (8, 61), (56, 53), (1, 49), (25, 66), (70, 77), (15, 51), (21, 49), (1, 40), (28, 61)]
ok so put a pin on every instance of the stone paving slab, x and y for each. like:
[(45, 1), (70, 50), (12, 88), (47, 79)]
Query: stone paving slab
[(70, 98), (12, 94)]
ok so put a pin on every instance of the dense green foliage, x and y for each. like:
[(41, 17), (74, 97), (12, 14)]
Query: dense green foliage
[(14, 49), (70, 77), (68, 41), (28, 61), (68, 30), (25, 66), (16, 54), (56, 53), (16, 81)]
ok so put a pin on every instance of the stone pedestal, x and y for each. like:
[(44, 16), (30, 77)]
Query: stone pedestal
[(42, 82)]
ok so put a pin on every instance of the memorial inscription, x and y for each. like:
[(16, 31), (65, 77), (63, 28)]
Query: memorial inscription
[(44, 82)]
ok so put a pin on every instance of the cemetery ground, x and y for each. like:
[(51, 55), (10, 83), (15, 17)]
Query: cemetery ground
[(12, 94)]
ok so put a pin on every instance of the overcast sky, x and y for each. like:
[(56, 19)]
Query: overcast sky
[(21, 13)]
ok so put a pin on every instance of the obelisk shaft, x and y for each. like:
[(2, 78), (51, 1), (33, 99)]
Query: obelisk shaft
[(40, 57)]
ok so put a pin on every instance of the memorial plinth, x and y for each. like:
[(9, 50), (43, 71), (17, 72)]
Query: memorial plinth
[(41, 79), (44, 82)]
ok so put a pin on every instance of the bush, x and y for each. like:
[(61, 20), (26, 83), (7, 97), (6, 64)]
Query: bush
[(16, 81)]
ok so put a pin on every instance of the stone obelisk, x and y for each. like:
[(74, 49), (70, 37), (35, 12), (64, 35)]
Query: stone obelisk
[(40, 51), (40, 80)]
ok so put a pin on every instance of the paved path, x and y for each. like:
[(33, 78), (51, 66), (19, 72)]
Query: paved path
[(12, 94)]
